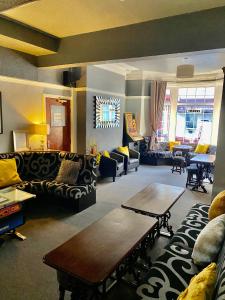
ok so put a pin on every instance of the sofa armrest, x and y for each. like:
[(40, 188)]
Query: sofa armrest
[(134, 154), (107, 163), (117, 157)]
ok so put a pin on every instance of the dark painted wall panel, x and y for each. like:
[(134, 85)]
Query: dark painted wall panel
[(197, 31), (133, 87), (81, 122)]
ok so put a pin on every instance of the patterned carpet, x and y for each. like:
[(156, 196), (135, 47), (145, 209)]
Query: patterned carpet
[(23, 276)]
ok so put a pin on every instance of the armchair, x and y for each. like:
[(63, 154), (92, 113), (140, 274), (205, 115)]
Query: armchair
[(131, 162), (111, 166)]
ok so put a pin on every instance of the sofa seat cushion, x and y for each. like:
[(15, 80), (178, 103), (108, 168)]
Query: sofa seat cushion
[(63, 190), (192, 225), (169, 275), (36, 186), (119, 166), (133, 161), (160, 154)]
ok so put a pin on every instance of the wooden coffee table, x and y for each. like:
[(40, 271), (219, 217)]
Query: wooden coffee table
[(92, 255), (155, 201)]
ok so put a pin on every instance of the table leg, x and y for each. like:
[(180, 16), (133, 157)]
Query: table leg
[(164, 222)]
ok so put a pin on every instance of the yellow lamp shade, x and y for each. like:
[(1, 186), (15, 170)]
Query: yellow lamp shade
[(40, 129)]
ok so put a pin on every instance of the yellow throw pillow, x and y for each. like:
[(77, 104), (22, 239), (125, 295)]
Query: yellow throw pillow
[(98, 157), (8, 172), (106, 153), (124, 150), (202, 148), (201, 286), (217, 206), (172, 144)]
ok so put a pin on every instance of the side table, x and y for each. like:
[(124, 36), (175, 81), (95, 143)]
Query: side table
[(11, 211)]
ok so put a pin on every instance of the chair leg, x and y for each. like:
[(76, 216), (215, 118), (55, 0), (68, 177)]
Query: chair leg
[(114, 178)]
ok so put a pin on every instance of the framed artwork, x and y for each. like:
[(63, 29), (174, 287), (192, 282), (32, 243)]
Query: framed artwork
[(58, 117), (20, 140), (1, 121), (107, 112)]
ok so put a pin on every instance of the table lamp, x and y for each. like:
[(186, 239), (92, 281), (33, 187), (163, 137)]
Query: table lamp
[(40, 129)]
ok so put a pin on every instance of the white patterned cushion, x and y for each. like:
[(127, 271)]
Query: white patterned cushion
[(209, 241)]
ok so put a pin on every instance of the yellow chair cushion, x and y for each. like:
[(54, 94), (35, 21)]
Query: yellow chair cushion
[(217, 206), (8, 172), (98, 157), (201, 286), (172, 144), (202, 148), (106, 153), (124, 150)]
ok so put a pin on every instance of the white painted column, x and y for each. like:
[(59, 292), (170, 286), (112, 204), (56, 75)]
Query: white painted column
[(216, 111)]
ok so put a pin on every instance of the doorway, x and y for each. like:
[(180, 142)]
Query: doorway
[(58, 118)]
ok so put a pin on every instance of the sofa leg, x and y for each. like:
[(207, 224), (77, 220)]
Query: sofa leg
[(113, 178), (136, 169)]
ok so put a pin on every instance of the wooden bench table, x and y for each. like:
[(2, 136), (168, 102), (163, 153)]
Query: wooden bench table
[(155, 201), (92, 255)]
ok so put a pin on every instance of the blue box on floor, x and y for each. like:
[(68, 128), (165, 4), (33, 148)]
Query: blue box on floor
[(11, 222)]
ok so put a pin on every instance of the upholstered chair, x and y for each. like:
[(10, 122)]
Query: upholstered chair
[(111, 166), (130, 162)]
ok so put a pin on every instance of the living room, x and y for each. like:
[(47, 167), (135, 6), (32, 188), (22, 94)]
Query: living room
[(34, 59)]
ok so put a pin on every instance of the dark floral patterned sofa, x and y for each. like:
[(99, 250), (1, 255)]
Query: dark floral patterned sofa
[(172, 271), (39, 169)]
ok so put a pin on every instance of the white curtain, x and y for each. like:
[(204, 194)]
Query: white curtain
[(158, 92)]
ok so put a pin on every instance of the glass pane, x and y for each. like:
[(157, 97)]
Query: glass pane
[(182, 92), (191, 91), (200, 91), (210, 91)]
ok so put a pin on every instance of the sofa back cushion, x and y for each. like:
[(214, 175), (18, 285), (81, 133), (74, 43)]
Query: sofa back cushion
[(19, 160), (8, 172), (40, 165), (87, 173)]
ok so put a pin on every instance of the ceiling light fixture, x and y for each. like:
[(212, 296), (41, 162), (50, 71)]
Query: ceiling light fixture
[(185, 71)]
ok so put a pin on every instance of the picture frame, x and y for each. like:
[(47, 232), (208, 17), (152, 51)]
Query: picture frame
[(1, 119), (20, 140), (107, 112)]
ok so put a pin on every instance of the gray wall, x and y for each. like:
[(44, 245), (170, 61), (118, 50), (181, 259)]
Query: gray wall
[(22, 102), (107, 83), (98, 82), (137, 101)]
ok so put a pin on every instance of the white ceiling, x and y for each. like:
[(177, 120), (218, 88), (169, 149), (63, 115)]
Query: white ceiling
[(70, 17), (164, 66)]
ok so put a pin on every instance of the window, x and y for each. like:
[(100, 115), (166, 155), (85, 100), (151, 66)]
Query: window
[(163, 128), (195, 114)]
